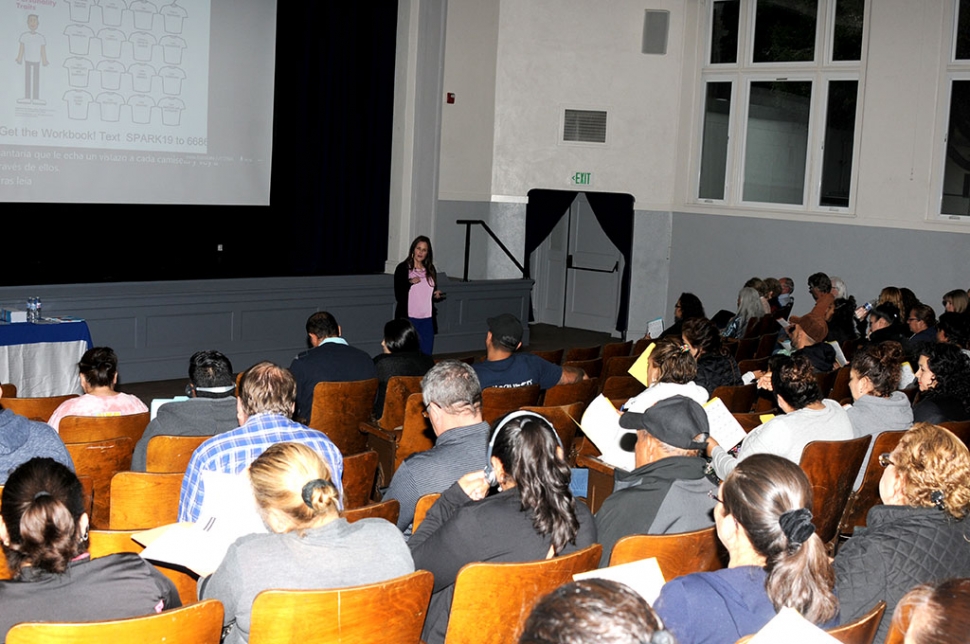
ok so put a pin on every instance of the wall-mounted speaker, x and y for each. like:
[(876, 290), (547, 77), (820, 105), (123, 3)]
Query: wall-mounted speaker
[(655, 26)]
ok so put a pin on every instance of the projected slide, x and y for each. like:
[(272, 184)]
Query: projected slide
[(120, 89)]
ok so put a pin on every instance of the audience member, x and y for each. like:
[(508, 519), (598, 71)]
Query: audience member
[(761, 287), (715, 366), (954, 328), (210, 409), (330, 359), (44, 531), (944, 384), (808, 334), (453, 398), (939, 613), (773, 284), (667, 491), (764, 520), (922, 324), (838, 290), (920, 532), (885, 325), (267, 395), (749, 308), (687, 307), (22, 440), (98, 371), (820, 288), (594, 611), (956, 301), (401, 357), (842, 323), (309, 545), (787, 295), (671, 370), (503, 367)]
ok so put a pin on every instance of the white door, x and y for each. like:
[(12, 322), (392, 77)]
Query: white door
[(578, 272)]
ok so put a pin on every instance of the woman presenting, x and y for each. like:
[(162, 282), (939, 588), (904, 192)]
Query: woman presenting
[(415, 280)]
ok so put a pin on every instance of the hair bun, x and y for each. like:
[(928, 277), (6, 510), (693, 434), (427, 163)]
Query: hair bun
[(797, 526), (308, 489)]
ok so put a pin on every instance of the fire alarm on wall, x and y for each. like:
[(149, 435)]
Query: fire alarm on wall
[(451, 98)]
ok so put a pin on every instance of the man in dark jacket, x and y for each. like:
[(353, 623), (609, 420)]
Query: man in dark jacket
[(667, 493), (808, 339)]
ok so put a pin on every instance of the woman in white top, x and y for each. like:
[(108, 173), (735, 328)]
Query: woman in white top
[(98, 370)]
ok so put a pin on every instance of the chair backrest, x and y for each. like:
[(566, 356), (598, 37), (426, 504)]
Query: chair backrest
[(748, 421), (391, 611), (388, 510), (582, 353), (831, 467), (417, 434), (498, 401), (753, 364), (737, 398), (108, 542), (492, 600), (825, 381), (9, 390), (563, 419), (338, 410), (640, 346), (360, 470), (171, 453), (859, 631), (617, 366), (141, 500), (861, 500), (200, 623), (101, 460), (592, 367), (553, 355), (34, 408), (840, 387), (765, 345), (616, 349), (421, 509), (746, 349), (677, 554), (399, 388), (622, 387), (959, 427), (85, 429), (583, 391)]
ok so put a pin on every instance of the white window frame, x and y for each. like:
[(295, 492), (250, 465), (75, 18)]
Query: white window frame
[(956, 70)]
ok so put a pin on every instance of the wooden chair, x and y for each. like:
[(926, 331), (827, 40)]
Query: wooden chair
[(677, 554), (959, 427), (391, 611), (392, 447), (141, 500), (9, 390), (738, 399), (766, 345), (826, 381), (582, 353), (754, 364), (101, 460), (600, 482), (583, 391), (860, 631), (107, 542), (831, 467), (748, 421), (622, 387), (39, 409), (338, 410), (592, 367), (746, 349), (498, 401), (388, 510), (617, 366), (86, 429), (840, 387), (563, 419), (171, 453), (553, 355), (360, 470), (640, 346), (399, 388), (861, 500), (616, 349), (421, 509), (200, 623), (493, 600)]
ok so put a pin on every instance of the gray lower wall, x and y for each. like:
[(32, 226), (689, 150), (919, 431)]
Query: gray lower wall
[(155, 326)]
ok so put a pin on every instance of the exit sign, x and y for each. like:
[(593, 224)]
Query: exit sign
[(582, 179)]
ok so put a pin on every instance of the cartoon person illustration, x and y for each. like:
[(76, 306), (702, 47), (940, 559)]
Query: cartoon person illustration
[(33, 53)]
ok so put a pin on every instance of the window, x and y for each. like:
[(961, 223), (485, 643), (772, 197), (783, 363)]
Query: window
[(955, 198), (780, 91)]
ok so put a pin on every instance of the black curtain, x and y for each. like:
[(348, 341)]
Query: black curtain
[(614, 213)]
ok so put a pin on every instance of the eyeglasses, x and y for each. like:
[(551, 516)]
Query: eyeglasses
[(884, 459), (711, 494)]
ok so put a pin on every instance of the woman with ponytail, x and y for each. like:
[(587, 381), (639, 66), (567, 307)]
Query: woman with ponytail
[(309, 545), (533, 516), (44, 531), (764, 520)]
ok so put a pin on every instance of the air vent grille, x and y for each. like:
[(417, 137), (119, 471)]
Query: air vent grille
[(584, 126)]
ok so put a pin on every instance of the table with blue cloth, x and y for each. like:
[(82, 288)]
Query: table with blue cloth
[(41, 359)]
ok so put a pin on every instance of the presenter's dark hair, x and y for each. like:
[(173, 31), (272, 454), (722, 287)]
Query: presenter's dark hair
[(210, 369), (99, 366), (428, 261), (400, 335)]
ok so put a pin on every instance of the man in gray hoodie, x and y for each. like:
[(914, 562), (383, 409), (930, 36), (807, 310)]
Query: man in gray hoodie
[(22, 439)]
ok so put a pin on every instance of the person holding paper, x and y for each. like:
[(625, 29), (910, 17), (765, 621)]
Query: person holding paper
[(715, 366), (764, 520)]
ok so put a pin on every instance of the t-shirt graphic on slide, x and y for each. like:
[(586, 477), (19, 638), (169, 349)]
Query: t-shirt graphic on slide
[(77, 104), (141, 108), (171, 110), (174, 15), (172, 47), (78, 70), (111, 11), (78, 39), (111, 71), (172, 78), (142, 44), (141, 77), (111, 40), (110, 106), (144, 13), (80, 10)]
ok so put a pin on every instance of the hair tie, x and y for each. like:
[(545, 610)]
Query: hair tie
[(684, 348), (936, 496), (42, 493), (662, 636), (310, 487), (797, 526)]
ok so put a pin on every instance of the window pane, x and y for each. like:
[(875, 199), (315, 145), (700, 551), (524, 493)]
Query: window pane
[(847, 44), (839, 134), (777, 141), (784, 31), (724, 32), (717, 114), (956, 172), (963, 31)]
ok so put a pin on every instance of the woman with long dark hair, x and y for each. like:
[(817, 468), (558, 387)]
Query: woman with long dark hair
[(416, 290), (401, 356), (715, 366), (764, 520), (44, 531), (944, 384), (533, 517)]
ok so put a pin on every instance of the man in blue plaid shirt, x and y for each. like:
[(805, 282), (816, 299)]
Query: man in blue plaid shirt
[(267, 397)]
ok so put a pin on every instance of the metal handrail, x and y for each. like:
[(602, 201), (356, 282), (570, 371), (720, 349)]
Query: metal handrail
[(468, 223)]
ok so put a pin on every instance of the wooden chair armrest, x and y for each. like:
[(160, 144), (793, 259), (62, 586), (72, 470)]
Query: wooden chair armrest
[(593, 463), (390, 436)]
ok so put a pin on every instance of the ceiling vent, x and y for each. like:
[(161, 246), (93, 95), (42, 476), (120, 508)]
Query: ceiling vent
[(584, 126)]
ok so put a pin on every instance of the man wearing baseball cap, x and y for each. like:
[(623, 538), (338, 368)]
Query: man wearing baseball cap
[(808, 335), (667, 492)]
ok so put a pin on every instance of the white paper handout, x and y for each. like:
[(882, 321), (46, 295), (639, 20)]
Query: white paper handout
[(655, 327), (725, 428), (839, 354), (643, 576), (601, 424), (789, 626)]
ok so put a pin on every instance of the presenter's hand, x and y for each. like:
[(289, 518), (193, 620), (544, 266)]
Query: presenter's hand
[(415, 280)]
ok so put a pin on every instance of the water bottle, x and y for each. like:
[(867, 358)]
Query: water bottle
[(38, 313), (30, 309)]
